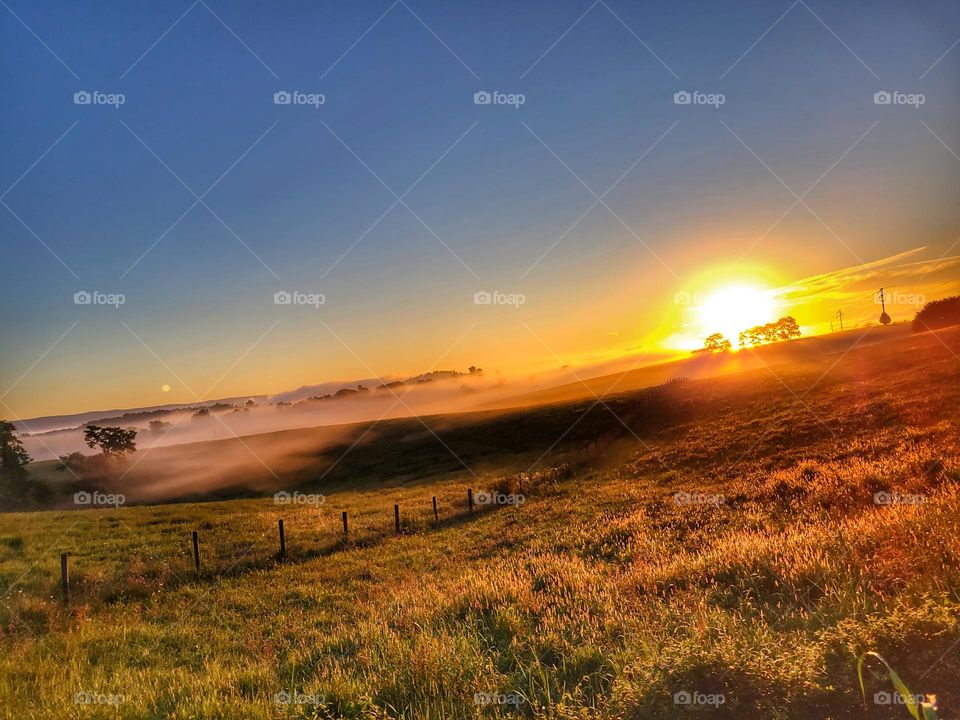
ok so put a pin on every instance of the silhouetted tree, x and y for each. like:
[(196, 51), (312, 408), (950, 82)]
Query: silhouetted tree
[(74, 462), (111, 440), (12, 456), (17, 488), (785, 328), (716, 343), (158, 427), (938, 314), (752, 336)]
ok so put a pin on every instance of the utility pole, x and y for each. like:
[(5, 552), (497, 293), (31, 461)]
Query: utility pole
[(884, 318), (839, 314)]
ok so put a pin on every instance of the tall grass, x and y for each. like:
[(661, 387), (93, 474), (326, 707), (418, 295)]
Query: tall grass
[(601, 596)]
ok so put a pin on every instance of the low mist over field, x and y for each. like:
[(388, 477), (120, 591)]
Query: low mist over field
[(330, 404)]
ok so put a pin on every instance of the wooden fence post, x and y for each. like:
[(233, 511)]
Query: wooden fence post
[(283, 541), (396, 518), (345, 522), (196, 551), (64, 578), (470, 499), (436, 515)]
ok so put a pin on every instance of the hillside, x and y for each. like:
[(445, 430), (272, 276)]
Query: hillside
[(708, 365), (389, 449), (741, 539)]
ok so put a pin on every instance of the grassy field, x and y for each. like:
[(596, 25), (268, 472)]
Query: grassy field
[(818, 517)]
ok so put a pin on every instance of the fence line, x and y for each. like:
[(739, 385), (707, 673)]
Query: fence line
[(282, 552)]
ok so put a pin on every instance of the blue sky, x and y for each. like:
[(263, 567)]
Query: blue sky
[(303, 185)]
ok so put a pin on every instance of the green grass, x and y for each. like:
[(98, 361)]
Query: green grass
[(599, 597)]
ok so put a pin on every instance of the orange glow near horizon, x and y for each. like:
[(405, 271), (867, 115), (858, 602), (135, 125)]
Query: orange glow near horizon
[(725, 300), (558, 339), (731, 309)]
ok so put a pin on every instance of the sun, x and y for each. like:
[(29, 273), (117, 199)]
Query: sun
[(732, 309)]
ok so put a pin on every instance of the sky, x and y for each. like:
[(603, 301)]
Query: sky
[(595, 206)]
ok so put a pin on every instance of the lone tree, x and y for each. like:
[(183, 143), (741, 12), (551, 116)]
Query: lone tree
[(12, 455), (938, 314), (112, 441), (715, 343)]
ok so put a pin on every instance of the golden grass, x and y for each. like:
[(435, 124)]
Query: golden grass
[(599, 597)]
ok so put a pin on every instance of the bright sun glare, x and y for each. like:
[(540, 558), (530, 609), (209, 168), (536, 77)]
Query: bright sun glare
[(732, 309)]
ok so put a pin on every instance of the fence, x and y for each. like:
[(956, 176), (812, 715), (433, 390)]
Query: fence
[(281, 534)]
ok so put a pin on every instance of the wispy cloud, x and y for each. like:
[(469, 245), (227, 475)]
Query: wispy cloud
[(863, 280), (853, 289)]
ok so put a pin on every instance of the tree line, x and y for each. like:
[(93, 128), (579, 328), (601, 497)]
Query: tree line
[(785, 328)]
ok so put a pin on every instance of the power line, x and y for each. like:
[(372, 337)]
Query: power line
[(838, 314)]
